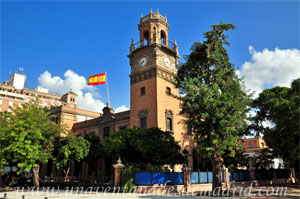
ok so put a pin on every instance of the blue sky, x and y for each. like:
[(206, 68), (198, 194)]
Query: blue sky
[(94, 36)]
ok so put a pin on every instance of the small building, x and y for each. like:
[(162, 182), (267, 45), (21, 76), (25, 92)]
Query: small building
[(254, 146)]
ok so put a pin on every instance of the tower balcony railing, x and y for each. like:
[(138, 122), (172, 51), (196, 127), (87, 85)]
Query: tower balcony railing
[(163, 42), (168, 43)]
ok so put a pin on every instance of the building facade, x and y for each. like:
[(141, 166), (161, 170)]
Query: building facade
[(153, 96), (64, 108), (254, 146)]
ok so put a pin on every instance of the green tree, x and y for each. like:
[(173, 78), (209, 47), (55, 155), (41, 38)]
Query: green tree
[(139, 146), (214, 99), (238, 160), (67, 150), (27, 138), (95, 150), (263, 160), (279, 106)]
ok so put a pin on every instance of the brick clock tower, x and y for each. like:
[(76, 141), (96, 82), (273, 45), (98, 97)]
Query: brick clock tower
[(154, 60)]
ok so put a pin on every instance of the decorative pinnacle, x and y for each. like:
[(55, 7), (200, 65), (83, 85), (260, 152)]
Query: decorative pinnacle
[(165, 15), (142, 15), (151, 10), (119, 161), (175, 43), (132, 41), (157, 11)]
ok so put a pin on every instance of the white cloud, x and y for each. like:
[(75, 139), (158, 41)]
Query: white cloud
[(270, 68), (72, 81), (121, 109)]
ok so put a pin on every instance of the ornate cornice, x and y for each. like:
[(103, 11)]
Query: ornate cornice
[(159, 72)]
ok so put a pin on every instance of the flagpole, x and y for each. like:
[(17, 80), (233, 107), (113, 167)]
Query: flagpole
[(106, 79)]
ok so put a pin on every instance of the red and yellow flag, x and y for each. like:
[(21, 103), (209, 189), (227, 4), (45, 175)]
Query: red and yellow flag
[(97, 79)]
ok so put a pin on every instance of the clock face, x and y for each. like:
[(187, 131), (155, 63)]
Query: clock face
[(143, 61), (167, 62)]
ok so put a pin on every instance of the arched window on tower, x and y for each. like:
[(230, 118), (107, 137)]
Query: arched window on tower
[(163, 38), (154, 34), (146, 38)]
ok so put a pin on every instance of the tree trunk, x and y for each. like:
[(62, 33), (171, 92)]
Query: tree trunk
[(292, 175), (217, 169), (35, 171), (216, 162), (67, 173), (1, 182)]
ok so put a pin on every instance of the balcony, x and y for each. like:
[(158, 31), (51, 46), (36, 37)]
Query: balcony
[(166, 43)]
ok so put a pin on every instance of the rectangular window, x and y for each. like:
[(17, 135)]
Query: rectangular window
[(168, 91), (105, 132), (143, 123), (10, 104), (143, 91), (169, 124), (1, 101)]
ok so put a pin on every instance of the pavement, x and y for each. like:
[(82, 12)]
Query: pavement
[(63, 195), (269, 192)]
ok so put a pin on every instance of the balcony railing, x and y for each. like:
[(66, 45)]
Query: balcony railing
[(163, 42), (168, 43)]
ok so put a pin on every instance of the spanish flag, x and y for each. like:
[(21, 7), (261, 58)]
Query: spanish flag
[(97, 79)]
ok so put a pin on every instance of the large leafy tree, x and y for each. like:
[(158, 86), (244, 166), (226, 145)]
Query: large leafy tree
[(214, 99), (67, 150), (95, 149), (138, 146), (279, 107), (27, 138)]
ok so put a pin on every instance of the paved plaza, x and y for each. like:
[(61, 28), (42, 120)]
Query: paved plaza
[(293, 192), (92, 195)]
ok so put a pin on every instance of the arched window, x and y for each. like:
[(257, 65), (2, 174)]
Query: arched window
[(154, 33), (146, 38), (169, 120), (163, 38)]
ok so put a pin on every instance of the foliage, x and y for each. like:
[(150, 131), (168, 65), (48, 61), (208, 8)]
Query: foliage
[(279, 106), (159, 168), (69, 149), (262, 161), (138, 146), (238, 160), (214, 98), (27, 136), (95, 149), (127, 177)]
